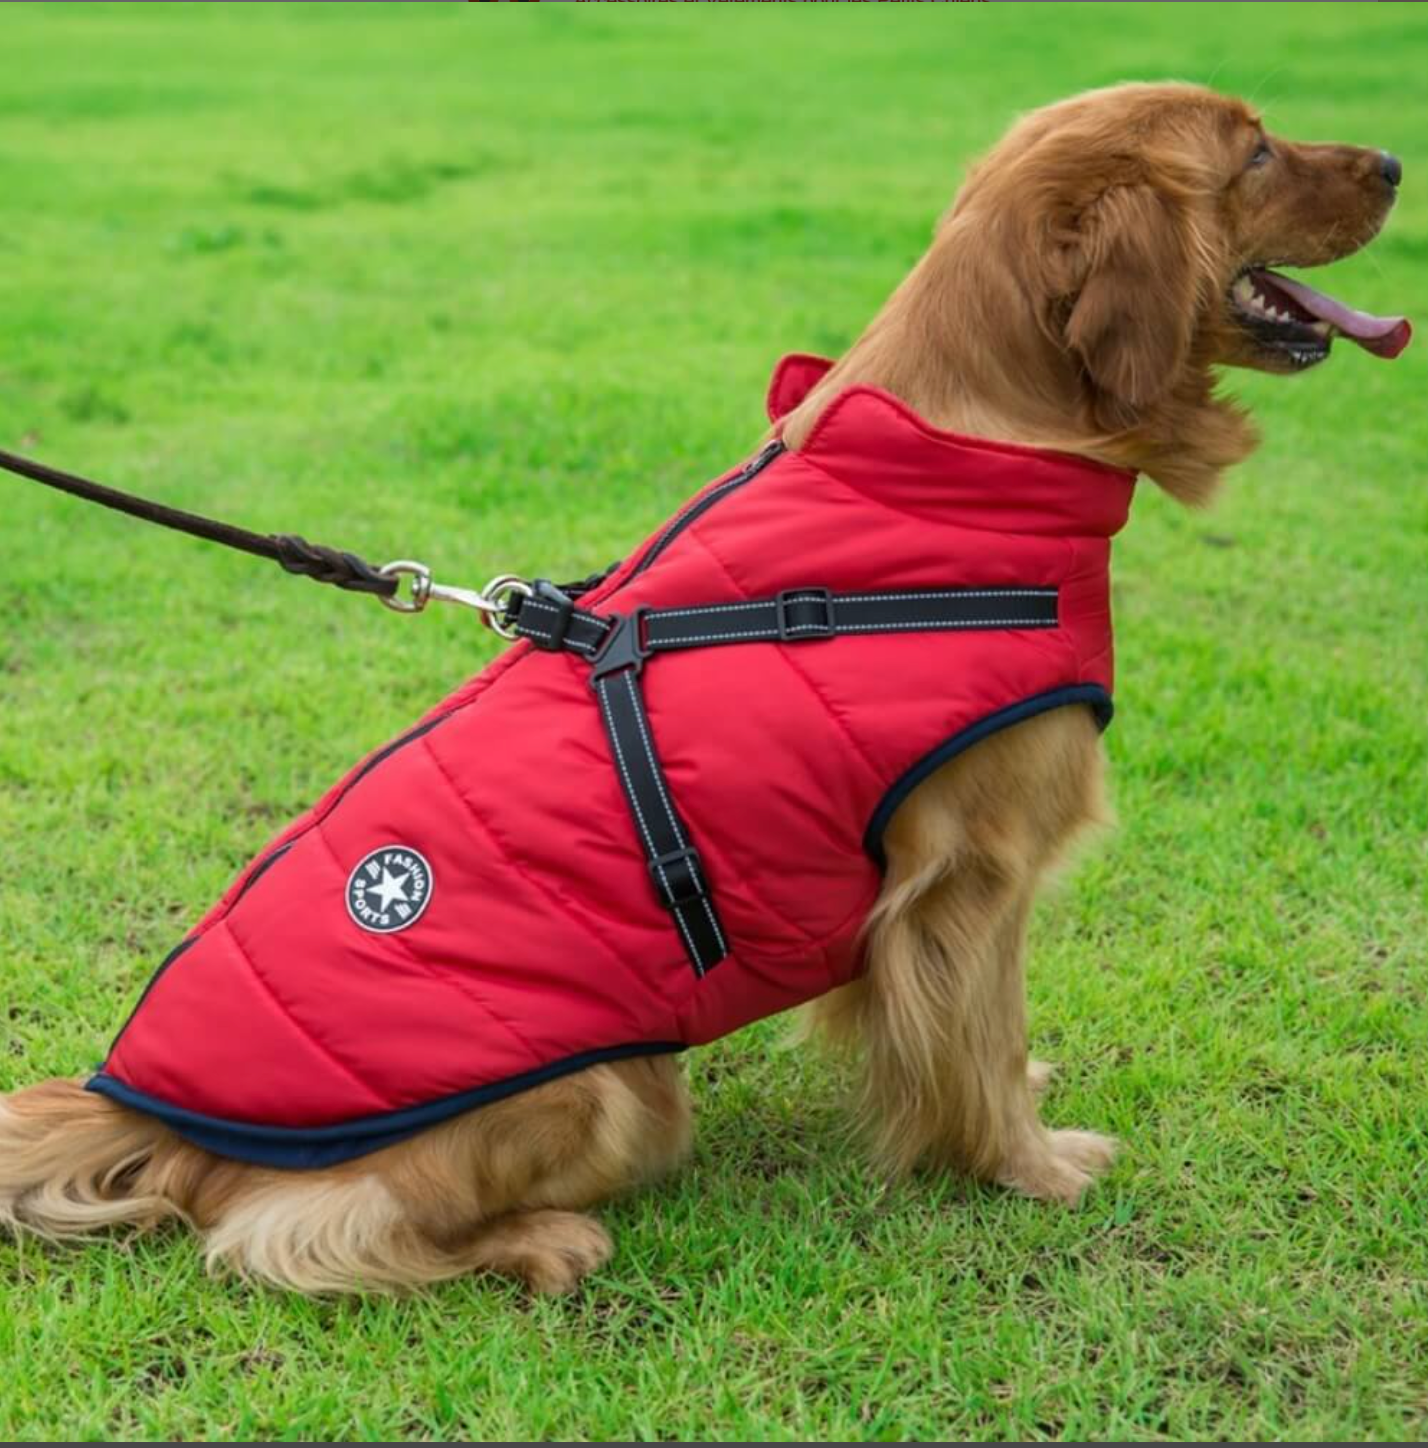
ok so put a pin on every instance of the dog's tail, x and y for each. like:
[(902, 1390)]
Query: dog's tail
[(72, 1162)]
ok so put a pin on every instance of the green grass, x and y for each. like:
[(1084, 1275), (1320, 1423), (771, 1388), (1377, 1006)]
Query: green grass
[(497, 289)]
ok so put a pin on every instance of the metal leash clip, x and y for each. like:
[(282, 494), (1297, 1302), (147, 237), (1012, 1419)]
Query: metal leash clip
[(493, 602)]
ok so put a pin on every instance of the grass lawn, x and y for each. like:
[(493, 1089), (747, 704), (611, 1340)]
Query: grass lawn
[(496, 289)]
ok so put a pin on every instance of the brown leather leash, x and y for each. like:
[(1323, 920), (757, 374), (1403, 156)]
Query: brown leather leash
[(295, 554)]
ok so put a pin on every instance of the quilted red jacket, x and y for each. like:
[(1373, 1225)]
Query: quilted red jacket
[(602, 847)]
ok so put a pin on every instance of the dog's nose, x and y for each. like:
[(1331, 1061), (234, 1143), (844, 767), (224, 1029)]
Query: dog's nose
[(1390, 168)]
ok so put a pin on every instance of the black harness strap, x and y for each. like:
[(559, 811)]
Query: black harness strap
[(674, 864), (550, 619), (616, 646)]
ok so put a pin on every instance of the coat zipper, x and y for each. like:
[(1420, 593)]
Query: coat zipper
[(700, 506)]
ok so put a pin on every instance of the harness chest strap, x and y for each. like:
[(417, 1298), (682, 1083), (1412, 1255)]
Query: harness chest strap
[(617, 645)]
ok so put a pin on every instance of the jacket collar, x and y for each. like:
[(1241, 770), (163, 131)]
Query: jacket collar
[(873, 442)]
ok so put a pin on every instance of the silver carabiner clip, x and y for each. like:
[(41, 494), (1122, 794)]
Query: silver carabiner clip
[(420, 576), (491, 602)]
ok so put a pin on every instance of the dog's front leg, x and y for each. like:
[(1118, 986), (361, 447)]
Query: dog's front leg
[(939, 1015), (991, 1126)]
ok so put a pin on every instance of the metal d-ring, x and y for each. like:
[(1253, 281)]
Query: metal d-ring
[(498, 594)]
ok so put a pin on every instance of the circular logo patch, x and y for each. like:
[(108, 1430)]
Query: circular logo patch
[(389, 889)]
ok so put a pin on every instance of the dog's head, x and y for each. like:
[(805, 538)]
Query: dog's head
[(1139, 225)]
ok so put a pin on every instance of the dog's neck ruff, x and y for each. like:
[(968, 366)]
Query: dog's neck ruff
[(660, 817)]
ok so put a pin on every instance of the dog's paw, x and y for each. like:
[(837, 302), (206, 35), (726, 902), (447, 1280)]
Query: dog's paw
[(1061, 1166), (558, 1249), (1038, 1075)]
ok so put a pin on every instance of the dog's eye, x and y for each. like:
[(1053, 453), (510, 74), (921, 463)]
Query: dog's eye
[(1262, 154)]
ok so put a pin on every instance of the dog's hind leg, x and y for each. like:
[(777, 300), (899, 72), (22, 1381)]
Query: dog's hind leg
[(503, 1188)]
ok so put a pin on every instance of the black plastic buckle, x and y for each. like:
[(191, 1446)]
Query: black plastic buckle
[(550, 628), (823, 626), (677, 877), (624, 647)]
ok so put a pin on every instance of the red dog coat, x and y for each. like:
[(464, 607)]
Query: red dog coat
[(658, 817)]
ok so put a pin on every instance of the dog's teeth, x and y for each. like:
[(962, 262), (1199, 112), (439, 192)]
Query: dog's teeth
[(1254, 301)]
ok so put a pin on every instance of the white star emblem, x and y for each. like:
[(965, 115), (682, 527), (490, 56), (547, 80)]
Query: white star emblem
[(388, 890), (392, 888)]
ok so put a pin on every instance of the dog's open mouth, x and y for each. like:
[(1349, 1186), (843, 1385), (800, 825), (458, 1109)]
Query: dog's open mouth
[(1294, 320)]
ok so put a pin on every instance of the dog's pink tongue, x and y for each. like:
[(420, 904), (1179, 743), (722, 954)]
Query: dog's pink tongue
[(1383, 336)]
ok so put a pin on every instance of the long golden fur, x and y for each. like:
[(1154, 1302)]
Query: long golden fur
[(1075, 297)]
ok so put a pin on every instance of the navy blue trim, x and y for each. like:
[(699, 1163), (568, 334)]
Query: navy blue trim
[(262, 868), (400, 742), (1092, 694), (317, 1146)]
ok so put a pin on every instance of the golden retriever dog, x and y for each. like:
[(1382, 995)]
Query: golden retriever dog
[(1096, 269)]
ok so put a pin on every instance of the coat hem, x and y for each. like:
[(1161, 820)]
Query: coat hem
[(318, 1146)]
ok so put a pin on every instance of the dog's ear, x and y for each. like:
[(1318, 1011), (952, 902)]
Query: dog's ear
[(1133, 317)]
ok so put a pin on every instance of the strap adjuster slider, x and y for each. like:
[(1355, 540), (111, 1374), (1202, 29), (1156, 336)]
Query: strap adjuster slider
[(678, 877), (804, 613)]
